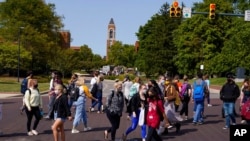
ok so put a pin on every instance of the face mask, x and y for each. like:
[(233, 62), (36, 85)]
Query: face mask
[(144, 91), (56, 92), (36, 86)]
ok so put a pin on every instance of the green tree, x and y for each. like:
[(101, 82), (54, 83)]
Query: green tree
[(38, 35), (9, 56), (156, 52)]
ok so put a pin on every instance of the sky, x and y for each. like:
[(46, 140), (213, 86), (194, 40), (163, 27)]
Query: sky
[(87, 20)]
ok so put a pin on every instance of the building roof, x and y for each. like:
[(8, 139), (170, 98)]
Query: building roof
[(111, 21), (77, 48)]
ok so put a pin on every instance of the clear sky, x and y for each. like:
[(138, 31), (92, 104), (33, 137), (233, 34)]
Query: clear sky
[(87, 20)]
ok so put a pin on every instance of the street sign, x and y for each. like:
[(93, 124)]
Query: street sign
[(247, 15), (186, 12)]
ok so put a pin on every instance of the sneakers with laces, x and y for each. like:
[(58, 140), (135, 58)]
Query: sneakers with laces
[(87, 129), (73, 131), (30, 133), (34, 132)]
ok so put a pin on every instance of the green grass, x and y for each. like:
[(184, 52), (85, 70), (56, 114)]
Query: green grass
[(10, 84)]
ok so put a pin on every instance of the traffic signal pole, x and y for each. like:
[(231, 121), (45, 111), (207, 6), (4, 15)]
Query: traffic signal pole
[(222, 14)]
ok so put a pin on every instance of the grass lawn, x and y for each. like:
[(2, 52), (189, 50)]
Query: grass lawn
[(10, 84)]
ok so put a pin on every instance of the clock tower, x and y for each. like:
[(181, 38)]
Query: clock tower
[(111, 36)]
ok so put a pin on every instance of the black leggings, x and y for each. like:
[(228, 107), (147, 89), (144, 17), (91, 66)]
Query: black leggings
[(152, 134), (114, 119), (36, 112)]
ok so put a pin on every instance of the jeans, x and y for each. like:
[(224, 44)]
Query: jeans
[(80, 115), (99, 102), (134, 124), (229, 112), (198, 111), (51, 104)]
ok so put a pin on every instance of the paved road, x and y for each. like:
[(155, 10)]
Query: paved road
[(13, 124)]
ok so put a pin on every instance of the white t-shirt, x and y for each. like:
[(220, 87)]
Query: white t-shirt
[(127, 85), (92, 82)]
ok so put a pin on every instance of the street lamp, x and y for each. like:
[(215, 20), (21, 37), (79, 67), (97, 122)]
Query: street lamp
[(19, 41)]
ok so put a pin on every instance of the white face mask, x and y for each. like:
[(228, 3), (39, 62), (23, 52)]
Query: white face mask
[(56, 92), (144, 91)]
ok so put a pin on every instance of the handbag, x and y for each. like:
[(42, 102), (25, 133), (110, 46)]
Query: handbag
[(141, 117)]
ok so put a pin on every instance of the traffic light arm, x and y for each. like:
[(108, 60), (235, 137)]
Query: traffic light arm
[(222, 14)]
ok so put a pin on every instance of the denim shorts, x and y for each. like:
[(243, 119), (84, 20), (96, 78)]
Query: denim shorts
[(58, 118)]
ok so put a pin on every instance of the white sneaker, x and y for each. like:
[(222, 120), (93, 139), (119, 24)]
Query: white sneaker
[(92, 109), (243, 121), (34, 132), (73, 131), (30, 133), (209, 105), (87, 129)]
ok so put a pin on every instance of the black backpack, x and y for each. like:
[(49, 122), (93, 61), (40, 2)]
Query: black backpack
[(73, 92)]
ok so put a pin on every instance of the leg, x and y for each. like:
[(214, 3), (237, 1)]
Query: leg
[(51, 103), (29, 119), (37, 114), (54, 127), (150, 134)]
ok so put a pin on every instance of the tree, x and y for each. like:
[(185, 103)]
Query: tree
[(38, 34), (157, 50), (9, 56)]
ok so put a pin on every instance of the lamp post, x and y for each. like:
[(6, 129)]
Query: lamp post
[(19, 41)]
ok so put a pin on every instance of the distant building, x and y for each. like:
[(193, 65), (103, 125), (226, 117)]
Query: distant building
[(65, 38), (111, 36)]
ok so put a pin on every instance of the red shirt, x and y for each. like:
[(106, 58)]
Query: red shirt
[(154, 110)]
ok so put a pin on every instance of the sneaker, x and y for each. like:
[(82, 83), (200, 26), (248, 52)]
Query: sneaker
[(47, 117), (209, 105), (200, 123), (34, 132), (98, 112), (124, 137), (30, 133), (186, 118), (233, 123), (225, 128), (92, 109), (87, 129), (73, 131), (194, 123), (243, 121), (170, 126)]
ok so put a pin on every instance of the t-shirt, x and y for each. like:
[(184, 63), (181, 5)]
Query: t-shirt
[(127, 85)]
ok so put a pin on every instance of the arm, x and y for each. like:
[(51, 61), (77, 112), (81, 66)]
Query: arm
[(27, 99), (161, 109), (88, 94)]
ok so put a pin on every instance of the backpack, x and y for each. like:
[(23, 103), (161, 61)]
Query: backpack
[(184, 91), (245, 110), (198, 93), (73, 92), (94, 89), (24, 86), (132, 90)]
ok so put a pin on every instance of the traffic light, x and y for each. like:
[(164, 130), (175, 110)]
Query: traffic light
[(212, 11), (175, 10)]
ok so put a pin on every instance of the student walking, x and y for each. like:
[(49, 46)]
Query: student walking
[(60, 113), (137, 102), (80, 113), (229, 93), (115, 104), (33, 105)]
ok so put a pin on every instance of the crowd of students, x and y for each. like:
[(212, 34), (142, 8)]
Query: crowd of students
[(154, 106)]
